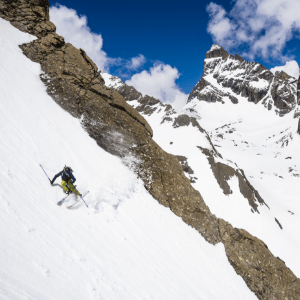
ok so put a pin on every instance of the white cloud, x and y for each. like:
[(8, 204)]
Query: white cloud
[(219, 25), (128, 66), (159, 82), (75, 31), (136, 62), (264, 26), (291, 68)]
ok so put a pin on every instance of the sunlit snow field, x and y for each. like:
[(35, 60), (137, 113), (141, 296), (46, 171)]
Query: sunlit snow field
[(266, 147), (124, 246)]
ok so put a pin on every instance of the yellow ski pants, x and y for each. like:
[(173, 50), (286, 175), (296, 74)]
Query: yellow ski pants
[(70, 185)]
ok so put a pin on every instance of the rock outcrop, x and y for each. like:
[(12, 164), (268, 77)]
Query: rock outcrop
[(224, 172), (252, 260), (147, 105), (30, 16), (74, 83), (228, 76), (189, 172)]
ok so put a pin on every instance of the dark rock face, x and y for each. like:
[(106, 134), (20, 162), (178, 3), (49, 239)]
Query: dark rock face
[(283, 93), (182, 120), (73, 81), (186, 168), (242, 78), (30, 16), (224, 172), (147, 104), (216, 51), (129, 92), (185, 120), (252, 260)]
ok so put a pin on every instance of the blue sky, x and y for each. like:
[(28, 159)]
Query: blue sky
[(178, 34)]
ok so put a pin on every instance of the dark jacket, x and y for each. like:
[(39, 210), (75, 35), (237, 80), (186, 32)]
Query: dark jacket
[(63, 177)]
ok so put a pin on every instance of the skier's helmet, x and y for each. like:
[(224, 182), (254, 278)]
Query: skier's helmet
[(68, 170)]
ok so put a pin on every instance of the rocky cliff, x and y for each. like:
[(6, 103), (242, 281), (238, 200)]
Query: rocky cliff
[(228, 76), (147, 105), (74, 83)]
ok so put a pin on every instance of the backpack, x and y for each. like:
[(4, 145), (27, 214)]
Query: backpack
[(66, 175)]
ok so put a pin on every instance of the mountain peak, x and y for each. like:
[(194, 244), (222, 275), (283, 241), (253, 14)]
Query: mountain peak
[(216, 51), (231, 77)]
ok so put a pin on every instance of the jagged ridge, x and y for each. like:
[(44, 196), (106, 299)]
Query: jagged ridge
[(228, 76)]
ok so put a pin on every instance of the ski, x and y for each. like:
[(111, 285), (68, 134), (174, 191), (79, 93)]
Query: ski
[(62, 200), (78, 200)]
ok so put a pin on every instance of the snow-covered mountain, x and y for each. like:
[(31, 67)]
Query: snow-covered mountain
[(219, 166), (56, 110), (239, 153), (231, 77)]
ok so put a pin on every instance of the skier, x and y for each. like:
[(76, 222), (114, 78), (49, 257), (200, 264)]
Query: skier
[(67, 180)]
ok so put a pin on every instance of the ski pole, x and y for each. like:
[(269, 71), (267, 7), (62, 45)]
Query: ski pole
[(83, 201), (45, 172)]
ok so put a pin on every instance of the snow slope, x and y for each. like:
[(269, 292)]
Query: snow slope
[(249, 137), (266, 147), (124, 246)]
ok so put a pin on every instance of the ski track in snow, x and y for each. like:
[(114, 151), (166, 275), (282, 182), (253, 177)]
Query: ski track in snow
[(124, 246)]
